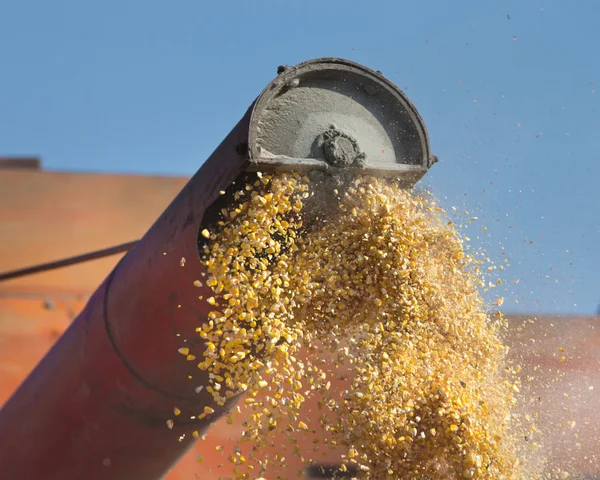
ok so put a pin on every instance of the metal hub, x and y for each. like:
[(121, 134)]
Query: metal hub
[(339, 148)]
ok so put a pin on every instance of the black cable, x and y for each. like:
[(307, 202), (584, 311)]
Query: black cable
[(65, 262)]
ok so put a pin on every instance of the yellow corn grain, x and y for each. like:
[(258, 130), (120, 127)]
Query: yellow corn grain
[(386, 286)]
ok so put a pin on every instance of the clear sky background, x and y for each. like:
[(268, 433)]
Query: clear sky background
[(509, 91)]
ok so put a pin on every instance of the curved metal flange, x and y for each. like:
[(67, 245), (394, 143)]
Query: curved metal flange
[(337, 116)]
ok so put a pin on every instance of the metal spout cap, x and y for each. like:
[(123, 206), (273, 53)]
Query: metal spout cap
[(337, 116)]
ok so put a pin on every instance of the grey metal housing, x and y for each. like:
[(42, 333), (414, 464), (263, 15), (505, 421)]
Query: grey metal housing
[(335, 115)]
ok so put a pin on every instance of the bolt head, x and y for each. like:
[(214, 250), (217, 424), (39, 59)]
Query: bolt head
[(339, 151)]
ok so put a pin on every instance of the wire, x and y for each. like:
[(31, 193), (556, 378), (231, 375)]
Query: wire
[(66, 262)]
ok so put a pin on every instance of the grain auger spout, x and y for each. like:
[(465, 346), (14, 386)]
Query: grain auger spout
[(97, 406), (336, 116)]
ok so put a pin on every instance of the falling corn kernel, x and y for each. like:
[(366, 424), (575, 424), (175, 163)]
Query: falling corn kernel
[(205, 233), (170, 423), (385, 291), (184, 351), (176, 411)]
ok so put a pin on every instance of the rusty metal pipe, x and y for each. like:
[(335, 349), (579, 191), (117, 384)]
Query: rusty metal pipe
[(96, 407)]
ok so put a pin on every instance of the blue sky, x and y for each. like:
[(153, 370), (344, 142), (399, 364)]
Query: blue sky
[(507, 90)]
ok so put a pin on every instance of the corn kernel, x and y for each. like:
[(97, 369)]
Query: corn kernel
[(388, 287)]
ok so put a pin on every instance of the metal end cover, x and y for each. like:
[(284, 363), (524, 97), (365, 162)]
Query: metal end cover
[(337, 116)]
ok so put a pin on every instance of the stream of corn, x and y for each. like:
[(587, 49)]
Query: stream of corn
[(378, 279)]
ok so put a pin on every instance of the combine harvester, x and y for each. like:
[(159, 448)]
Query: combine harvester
[(108, 386)]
